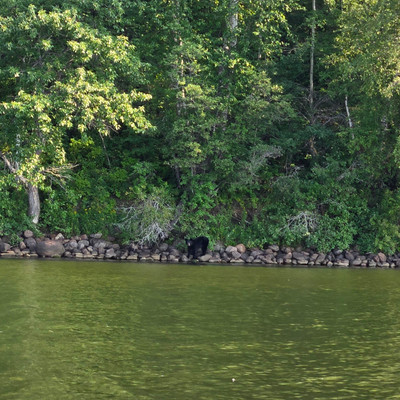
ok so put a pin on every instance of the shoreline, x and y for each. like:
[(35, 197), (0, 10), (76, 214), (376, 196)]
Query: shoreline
[(95, 247)]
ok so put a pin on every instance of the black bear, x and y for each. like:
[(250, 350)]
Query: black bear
[(194, 245)]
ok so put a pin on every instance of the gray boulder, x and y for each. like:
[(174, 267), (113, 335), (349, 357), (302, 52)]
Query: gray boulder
[(4, 247), (30, 243), (241, 248), (205, 258), (50, 248), (230, 249)]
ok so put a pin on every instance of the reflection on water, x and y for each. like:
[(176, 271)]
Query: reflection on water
[(86, 330)]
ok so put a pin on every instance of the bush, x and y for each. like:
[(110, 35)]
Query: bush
[(84, 206), (148, 220), (386, 223), (13, 210)]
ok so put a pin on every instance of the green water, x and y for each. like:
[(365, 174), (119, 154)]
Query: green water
[(89, 330)]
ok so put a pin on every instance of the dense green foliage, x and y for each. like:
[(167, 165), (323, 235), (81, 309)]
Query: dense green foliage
[(247, 121)]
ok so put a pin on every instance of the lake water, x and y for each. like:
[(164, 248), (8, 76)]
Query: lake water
[(96, 330)]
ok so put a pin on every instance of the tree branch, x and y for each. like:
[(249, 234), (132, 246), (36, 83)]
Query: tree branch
[(12, 169)]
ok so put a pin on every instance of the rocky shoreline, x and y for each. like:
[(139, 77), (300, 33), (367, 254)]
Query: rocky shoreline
[(96, 247)]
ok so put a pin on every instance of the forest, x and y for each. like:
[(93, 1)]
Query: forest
[(247, 121)]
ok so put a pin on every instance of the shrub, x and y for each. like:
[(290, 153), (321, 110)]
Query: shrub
[(148, 220)]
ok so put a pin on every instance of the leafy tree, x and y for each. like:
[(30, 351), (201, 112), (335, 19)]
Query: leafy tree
[(60, 78), (275, 121), (367, 66)]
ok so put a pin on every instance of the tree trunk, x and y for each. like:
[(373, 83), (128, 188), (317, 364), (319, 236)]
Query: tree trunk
[(33, 191), (311, 76), (312, 51), (229, 44), (34, 203), (233, 21), (349, 116)]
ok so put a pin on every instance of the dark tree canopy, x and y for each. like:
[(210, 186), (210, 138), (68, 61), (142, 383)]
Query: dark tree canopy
[(245, 121)]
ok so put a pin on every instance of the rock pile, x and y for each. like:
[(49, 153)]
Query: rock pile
[(96, 247)]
